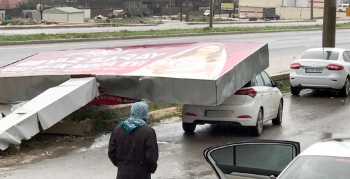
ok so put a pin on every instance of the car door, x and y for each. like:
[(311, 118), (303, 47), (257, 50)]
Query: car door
[(275, 94), (270, 110), (251, 159), (346, 58), (264, 95)]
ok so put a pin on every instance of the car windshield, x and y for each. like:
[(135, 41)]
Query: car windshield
[(322, 55), (320, 167)]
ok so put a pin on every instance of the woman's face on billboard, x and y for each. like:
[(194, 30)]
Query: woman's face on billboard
[(208, 49)]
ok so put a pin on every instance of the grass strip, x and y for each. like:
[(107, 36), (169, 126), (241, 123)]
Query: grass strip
[(126, 33)]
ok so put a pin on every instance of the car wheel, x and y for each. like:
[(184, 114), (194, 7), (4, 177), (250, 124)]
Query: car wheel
[(346, 88), (258, 128), (295, 90), (278, 119), (340, 10), (188, 127)]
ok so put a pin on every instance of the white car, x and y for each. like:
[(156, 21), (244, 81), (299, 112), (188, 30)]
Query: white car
[(271, 158), (342, 7), (257, 102), (321, 68), (243, 15), (207, 13)]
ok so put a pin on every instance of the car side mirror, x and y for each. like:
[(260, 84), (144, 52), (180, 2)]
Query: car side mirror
[(278, 84)]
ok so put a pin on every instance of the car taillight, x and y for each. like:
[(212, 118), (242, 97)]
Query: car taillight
[(244, 117), (335, 67), (295, 66), (191, 114), (250, 92)]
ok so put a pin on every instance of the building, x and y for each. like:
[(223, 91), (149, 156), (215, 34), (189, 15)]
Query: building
[(256, 8), (64, 14), (286, 9), (9, 4)]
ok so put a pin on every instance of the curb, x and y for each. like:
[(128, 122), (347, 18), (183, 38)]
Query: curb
[(133, 25), (282, 76), (69, 26), (151, 36), (250, 22)]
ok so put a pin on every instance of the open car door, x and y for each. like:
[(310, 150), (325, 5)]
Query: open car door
[(251, 159)]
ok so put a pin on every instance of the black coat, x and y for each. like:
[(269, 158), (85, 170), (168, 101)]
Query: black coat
[(135, 154)]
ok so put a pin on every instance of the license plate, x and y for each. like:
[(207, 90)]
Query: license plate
[(313, 70)]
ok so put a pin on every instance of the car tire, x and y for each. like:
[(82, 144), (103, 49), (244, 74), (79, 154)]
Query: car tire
[(188, 127), (344, 92), (340, 10), (258, 128), (278, 119), (295, 90)]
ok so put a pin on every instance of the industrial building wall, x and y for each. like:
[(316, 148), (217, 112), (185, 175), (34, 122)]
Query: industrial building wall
[(252, 11), (55, 17), (87, 13), (292, 13), (295, 3), (76, 17), (306, 3), (260, 3)]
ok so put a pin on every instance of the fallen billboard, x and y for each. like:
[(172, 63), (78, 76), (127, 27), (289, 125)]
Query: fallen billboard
[(202, 73), (47, 109)]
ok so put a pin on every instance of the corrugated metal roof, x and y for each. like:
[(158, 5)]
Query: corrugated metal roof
[(63, 10)]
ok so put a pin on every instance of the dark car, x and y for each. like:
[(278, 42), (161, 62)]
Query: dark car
[(272, 17)]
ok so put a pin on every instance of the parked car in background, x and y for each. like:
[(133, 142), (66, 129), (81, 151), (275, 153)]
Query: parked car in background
[(243, 15), (272, 158), (235, 15), (342, 7), (207, 13), (257, 102), (272, 17), (321, 68)]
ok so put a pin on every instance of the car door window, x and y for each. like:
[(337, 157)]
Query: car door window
[(270, 159), (275, 157), (346, 56), (347, 53), (259, 81), (266, 79)]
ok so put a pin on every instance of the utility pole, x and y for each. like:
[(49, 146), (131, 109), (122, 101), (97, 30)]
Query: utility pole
[(211, 14), (329, 23), (170, 9), (187, 11), (41, 10), (181, 11), (312, 10)]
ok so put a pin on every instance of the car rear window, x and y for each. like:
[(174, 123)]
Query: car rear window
[(319, 167), (322, 55)]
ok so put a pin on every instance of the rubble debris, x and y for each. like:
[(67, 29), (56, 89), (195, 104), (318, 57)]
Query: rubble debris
[(48, 22)]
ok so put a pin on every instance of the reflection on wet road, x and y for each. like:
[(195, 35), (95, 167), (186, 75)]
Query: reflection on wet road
[(313, 116)]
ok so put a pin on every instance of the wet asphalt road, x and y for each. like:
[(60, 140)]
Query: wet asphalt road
[(313, 116)]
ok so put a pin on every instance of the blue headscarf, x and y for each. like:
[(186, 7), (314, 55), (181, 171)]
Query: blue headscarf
[(138, 117)]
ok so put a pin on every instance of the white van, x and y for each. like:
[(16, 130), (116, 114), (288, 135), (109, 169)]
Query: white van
[(342, 7)]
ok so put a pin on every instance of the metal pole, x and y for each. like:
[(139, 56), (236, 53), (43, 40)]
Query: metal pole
[(211, 14), (187, 11), (169, 8), (312, 10), (181, 11), (329, 23), (41, 11)]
